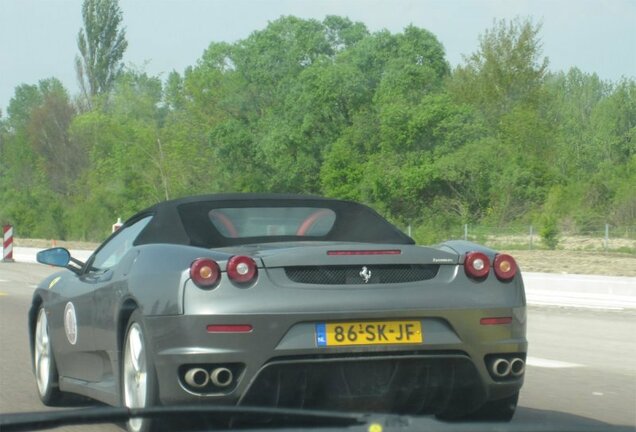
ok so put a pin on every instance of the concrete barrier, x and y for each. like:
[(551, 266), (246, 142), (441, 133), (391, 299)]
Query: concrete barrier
[(583, 291), (27, 254)]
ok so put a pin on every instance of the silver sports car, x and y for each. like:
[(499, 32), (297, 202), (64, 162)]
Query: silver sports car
[(281, 301)]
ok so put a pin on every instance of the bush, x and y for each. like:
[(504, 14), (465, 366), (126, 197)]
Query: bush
[(550, 233)]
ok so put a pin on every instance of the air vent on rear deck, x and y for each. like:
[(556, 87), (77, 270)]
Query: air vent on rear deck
[(356, 274)]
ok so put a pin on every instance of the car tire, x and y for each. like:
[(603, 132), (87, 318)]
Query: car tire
[(44, 366), (138, 377), (500, 410)]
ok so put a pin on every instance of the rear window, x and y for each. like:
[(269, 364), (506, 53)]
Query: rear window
[(230, 222), (272, 221)]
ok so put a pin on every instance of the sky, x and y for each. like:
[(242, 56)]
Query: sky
[(38, 38)]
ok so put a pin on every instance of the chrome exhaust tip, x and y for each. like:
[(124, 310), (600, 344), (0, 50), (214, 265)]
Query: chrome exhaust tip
[(221, 377), (517, 367), (197, 378), (500, 368)]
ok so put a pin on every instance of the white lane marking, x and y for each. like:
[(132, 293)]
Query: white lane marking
[(552, 364), (2, 280)]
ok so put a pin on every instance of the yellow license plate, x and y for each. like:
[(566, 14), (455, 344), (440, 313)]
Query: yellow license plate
[(369, 333)]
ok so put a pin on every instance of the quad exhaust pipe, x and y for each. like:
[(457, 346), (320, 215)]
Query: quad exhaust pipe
[(198, 378), (221, 377), (517, 367), (502, 368)]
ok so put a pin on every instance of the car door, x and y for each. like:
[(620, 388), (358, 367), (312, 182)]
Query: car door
[(71, 315), (109, 275), (84, 309)]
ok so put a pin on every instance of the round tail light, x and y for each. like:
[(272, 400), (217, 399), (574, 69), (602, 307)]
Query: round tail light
[(477, 265), (241, 269), (205, 272), (505, 267)]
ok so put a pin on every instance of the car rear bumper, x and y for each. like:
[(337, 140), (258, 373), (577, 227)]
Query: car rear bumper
[(398, 383), (278, 363)]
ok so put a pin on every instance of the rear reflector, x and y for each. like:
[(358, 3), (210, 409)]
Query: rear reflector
[(229, 328), (495, 320), (365, 252)]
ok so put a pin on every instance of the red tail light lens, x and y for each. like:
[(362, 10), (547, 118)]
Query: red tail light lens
[(241, 269), (476, 265), (205, 272), (505, 267)]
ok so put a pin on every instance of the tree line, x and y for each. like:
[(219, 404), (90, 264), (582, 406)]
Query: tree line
[(324, 107)]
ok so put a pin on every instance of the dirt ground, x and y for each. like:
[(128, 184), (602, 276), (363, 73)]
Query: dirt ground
[(568, 243), (577, 262), (558, 261)]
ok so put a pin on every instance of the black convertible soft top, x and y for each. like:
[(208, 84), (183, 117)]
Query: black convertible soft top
[(187, 221)]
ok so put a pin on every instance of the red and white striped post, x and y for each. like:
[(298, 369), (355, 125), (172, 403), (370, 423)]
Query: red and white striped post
[(7, 243)]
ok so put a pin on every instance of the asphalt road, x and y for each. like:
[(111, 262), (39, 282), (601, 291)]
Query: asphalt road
[(581, 365)]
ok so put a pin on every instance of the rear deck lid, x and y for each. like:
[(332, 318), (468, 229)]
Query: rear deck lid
[(346, 264), (310, 253)]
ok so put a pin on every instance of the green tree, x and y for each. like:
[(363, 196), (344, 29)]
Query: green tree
[(47, 130), (35, 172), (342, 33), (101, 44), (614, 124), (572, 98), (507, 69), (327, 107)]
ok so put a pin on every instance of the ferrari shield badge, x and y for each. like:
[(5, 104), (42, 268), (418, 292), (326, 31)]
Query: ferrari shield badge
[(70, 323), (365, 274)]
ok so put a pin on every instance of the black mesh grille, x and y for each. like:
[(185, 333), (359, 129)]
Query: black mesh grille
[(354, 275), (444, 385)]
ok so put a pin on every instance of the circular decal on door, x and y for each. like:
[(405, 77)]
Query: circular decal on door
[(70, 323)]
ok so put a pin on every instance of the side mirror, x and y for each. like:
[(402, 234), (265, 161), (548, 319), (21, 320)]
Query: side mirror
[(58, 257)]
